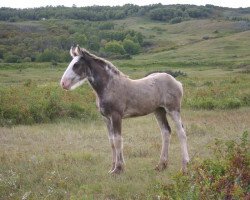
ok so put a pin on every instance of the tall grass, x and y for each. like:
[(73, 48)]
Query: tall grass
[(226, 93), (30, 103)]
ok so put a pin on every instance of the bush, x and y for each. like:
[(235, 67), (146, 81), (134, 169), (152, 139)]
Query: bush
[(26, 59), (225, 176), (47, 55), (131, 47), (114, 47), (176, 20), (12, 58)]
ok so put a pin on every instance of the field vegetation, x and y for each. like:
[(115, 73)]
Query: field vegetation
[(53, 143)]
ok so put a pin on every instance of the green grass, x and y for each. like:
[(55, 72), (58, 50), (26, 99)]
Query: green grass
[(33, 95)]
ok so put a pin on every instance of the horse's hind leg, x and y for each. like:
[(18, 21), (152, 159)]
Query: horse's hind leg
[(175, 115), (161, 117)]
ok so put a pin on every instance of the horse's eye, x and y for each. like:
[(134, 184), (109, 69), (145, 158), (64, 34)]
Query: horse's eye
[(77, 68)]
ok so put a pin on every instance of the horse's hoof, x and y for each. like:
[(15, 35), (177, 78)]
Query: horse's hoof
[(117, 170), (184, 170), (161, 166), (112, 168)]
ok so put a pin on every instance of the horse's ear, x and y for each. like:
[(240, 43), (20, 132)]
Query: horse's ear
[(78, 51), (71, 52)]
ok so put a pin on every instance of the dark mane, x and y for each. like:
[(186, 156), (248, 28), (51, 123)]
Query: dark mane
[(104, 63)]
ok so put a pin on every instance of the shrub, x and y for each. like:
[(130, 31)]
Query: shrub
[(224, 176), (12, 58), (48, 55), (114, 47), (131, 47), (176, 20), (26, 59)]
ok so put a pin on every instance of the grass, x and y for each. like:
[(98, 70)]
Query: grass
[(39, 100), (70, 160)]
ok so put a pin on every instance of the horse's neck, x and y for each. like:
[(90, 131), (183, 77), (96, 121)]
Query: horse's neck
[(98, 78)]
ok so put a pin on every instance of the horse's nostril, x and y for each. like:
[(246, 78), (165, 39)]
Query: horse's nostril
[(63, 84)]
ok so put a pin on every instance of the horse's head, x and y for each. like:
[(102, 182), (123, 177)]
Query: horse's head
[(76, 72)]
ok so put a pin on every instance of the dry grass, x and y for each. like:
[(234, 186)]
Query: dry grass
[(70, 160)]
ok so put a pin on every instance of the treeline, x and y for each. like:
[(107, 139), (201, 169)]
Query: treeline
[(104, 13)]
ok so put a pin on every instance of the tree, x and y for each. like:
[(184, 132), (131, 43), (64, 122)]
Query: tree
[(114, 47), (80, 39), (131, 47)]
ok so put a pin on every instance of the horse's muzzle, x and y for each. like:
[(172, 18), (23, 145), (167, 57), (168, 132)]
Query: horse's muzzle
[(65, 84)]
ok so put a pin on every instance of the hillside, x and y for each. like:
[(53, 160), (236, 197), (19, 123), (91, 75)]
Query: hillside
[(195, 41), (43, 35), (54, 143)]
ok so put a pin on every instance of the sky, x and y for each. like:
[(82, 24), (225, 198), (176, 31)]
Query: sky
[(81, 3)]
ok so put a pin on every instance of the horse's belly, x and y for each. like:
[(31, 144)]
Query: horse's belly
[(141, 109)]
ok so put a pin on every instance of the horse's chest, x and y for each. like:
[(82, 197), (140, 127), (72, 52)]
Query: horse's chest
[(105, 107)]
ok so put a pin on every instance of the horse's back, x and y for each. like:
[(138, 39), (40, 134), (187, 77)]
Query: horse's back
[(166, 82), (169, 89)]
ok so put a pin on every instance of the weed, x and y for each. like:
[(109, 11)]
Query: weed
[(225, 176)]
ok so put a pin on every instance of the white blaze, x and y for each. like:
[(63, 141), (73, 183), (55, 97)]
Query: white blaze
[(70, 80)]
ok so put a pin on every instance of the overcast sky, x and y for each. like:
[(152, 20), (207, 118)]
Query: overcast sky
[(80, 3)]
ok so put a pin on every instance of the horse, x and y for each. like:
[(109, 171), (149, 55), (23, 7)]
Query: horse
[(119, 97)]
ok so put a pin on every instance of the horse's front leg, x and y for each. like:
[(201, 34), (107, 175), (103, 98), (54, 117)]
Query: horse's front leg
[(111, 140), (118, 144)]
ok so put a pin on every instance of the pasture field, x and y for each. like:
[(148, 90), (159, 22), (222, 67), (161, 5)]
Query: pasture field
[(54, 145), (70, 158)]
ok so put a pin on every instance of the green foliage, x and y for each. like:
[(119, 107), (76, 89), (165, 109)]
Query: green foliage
[(30, 103), (10, 58), (176, 14), (38, 30), (225, 176), (162, 14), (176, 20), (101, 13), (79, 39), (131, 47), (216, 95), (49, 40), (106, 26), (114, 47), (47, 56)]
